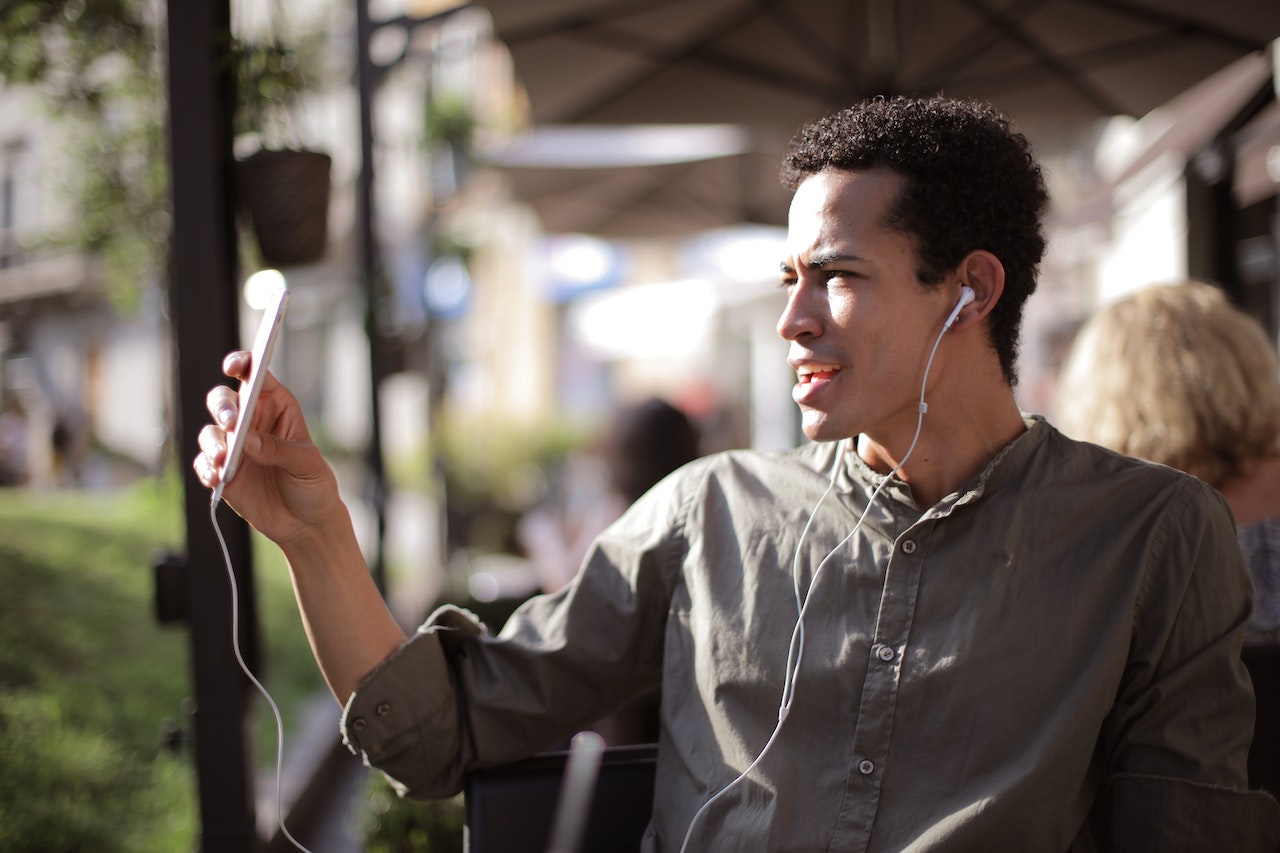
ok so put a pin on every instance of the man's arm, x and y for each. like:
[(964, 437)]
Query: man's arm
[(1179, 735), (1151, 813), (286, 490), (456, 697)]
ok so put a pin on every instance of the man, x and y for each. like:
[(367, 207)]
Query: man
[(940, 626)]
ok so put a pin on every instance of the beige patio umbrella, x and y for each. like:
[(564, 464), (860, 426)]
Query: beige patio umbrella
[(642, 180), (767, 66), (777, 63)]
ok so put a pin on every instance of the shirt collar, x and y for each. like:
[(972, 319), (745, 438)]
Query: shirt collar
[(1004, 466)]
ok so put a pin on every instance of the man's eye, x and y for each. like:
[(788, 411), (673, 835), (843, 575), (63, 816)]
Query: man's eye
[(839, 275)]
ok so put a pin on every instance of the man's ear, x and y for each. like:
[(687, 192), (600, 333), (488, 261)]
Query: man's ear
[(983, 273)]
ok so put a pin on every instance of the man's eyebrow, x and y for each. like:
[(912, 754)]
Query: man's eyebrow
[(822, 259)]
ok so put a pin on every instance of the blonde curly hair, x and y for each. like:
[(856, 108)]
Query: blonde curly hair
[(1177, 375)]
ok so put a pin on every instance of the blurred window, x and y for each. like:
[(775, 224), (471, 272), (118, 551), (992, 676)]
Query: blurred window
[(11, 157)]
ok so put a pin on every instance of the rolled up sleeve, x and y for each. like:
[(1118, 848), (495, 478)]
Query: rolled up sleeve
[(1140, 813), (455, 697), (403, 718), (1180, 732)]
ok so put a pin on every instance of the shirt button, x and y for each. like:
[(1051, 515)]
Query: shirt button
[(885, 653), (383, 709), (909, 547), (358, 724), (866, 767)]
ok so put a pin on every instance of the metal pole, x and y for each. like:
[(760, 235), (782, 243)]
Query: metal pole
[(203, 310), (368, 76), (370, 272)]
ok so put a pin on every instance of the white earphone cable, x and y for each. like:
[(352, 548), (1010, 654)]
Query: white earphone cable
[(235, 647), (795, 649)]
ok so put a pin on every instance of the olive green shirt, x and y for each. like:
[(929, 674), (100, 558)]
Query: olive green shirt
[(1048, 659)]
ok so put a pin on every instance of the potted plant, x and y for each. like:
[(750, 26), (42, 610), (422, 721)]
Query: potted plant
[(283, 185)]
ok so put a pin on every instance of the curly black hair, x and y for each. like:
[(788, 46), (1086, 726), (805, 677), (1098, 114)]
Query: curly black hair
[(970, 183)]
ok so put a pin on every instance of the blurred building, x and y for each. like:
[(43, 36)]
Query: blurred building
[(497, 313), (75, 374)]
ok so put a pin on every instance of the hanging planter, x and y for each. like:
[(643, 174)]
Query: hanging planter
[(283, 187), (285, 193)]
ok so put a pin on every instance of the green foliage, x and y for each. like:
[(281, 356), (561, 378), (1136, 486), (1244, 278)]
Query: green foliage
[(95, 66), (493, 473), (88, 678), (124, 179), (271, 78), (449, 120), (69, 787), (391, 824), (62, 44), (495, 461)]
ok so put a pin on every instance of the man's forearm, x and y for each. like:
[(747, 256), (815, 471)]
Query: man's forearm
[(346, 619)]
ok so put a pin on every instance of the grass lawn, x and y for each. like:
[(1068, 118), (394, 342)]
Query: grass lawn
[(88, 678)]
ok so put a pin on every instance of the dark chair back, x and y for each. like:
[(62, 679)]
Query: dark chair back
[(510, 808), (1263, 663)]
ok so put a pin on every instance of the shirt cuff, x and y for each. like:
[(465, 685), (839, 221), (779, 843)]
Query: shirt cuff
[(1155, 813), (403, 717)]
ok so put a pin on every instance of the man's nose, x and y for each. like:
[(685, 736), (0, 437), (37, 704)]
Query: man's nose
[(798, 316)]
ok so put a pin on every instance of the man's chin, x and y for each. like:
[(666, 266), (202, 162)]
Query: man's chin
[(817, 426)]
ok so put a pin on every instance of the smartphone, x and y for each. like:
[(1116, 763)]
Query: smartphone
[(251, 386)]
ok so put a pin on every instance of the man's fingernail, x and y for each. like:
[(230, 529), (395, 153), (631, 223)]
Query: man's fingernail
[(253, 442), (226, 415)]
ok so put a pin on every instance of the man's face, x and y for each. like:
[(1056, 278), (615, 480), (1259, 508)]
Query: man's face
[(859, 321)]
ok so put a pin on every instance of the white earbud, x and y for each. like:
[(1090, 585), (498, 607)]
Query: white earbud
[(966, 296)]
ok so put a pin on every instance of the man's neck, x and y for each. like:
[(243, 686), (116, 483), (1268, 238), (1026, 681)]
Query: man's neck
[(950, 451)]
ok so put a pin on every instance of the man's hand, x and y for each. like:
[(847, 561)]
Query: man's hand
[(283, 487)]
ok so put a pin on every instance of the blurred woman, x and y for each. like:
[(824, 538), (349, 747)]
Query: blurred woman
[(1177, 375)]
